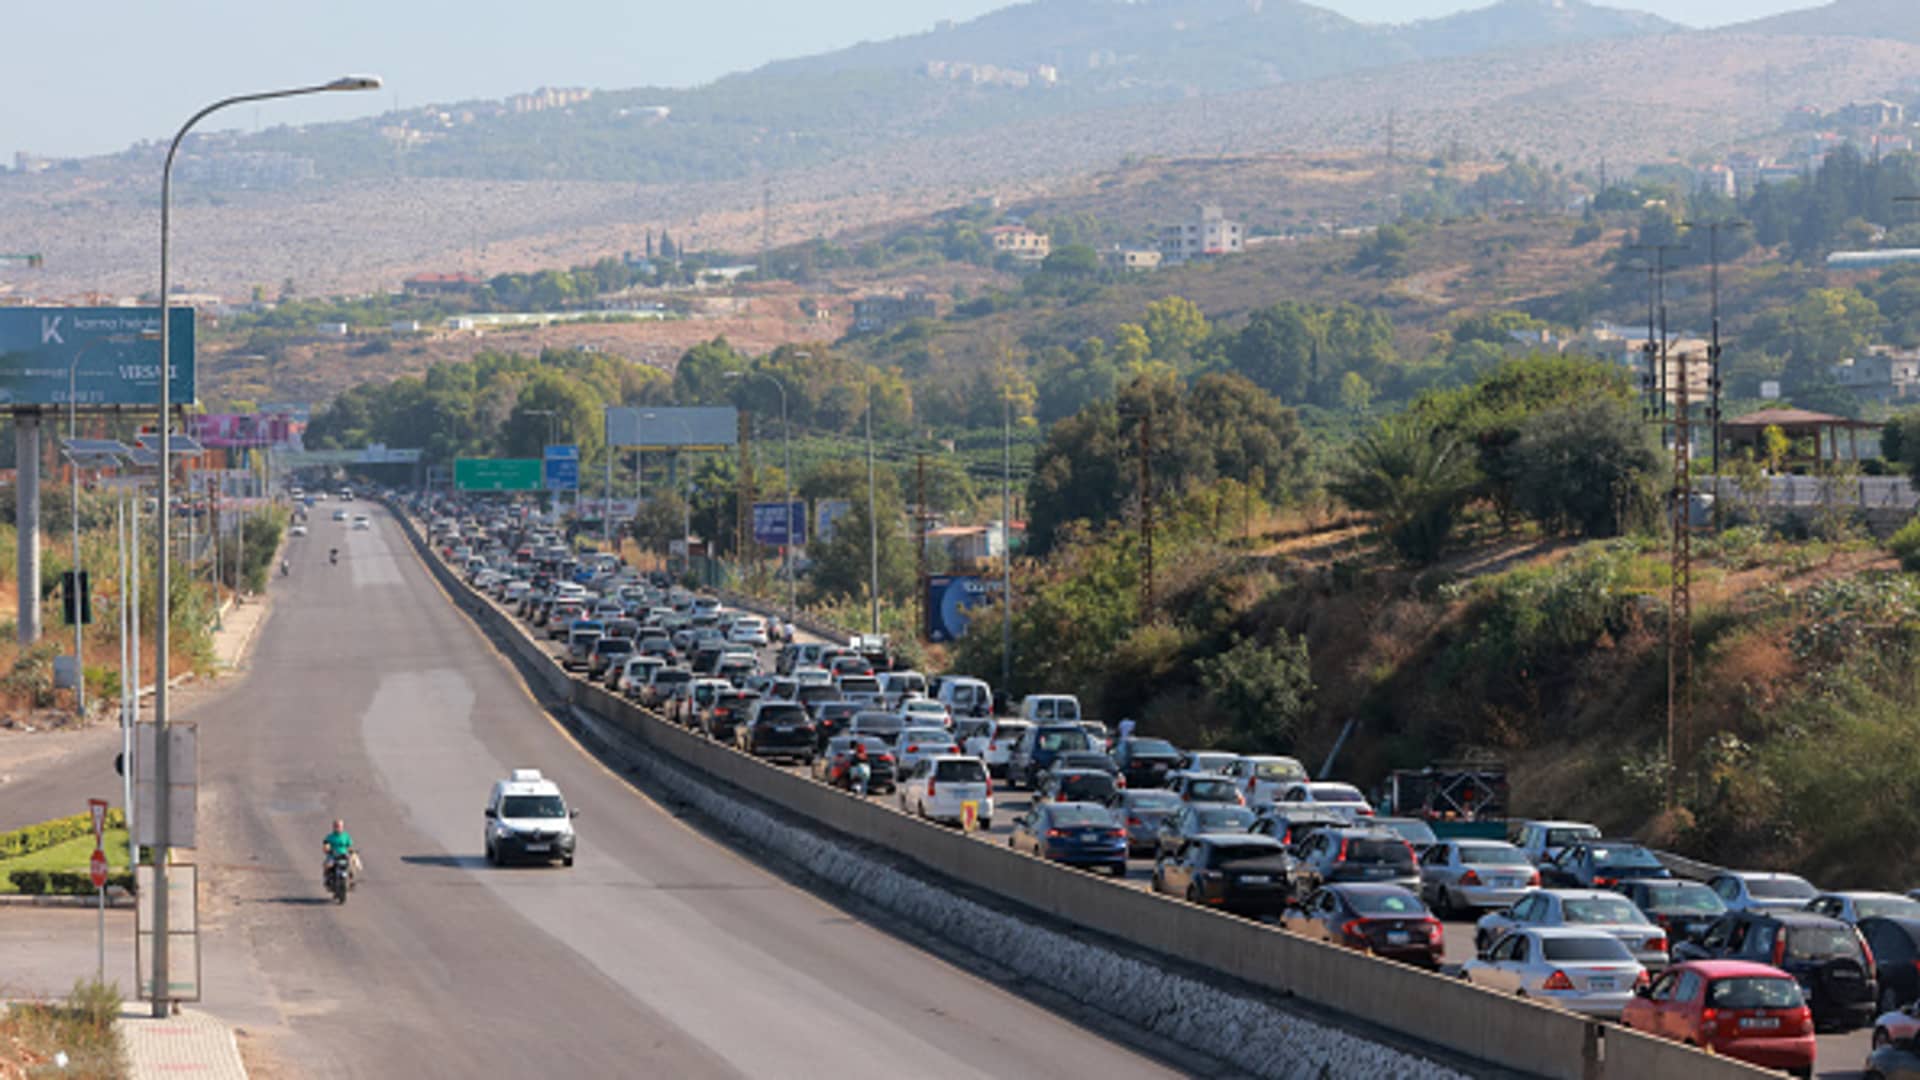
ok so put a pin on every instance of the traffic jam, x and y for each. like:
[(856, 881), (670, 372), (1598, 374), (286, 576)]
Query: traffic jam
[(1426, 870)]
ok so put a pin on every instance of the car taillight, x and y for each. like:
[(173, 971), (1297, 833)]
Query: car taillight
[(1342, 857), (913, 749), (930, 787), (1056, 833), (1601, 881), (1557, 981), (1533, 878), (1116, 834), (1470, 878), (1779, 949), (1061, 797), (1436, 934), (1866, 952), (1655, 944), (989, 785), (1803, 1020), (1136, 821), (1119, 781), (886, 758), (1239, 798), (1642, 979)]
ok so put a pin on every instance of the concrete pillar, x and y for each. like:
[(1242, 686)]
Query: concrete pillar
[(26, 521)]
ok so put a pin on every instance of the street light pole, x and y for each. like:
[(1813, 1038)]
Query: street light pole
[(873, 523), (79, 627), (161, 989), (786, 439)]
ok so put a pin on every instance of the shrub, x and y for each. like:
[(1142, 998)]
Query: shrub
[(1906, 544), (33, 838), (1266, 690), (29, 882)]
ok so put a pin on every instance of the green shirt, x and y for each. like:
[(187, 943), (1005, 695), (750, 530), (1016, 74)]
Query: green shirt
[(339, 843)]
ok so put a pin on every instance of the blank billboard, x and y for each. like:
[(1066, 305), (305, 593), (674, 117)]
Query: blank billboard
[(674, 428)]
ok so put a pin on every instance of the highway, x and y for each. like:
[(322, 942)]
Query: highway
[(660, 953)]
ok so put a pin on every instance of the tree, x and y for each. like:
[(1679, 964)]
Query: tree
[(1587, 468), (1266, 689), (660, 521), (1278, 350), (1386, 249), (1414, 477), (1175, 329), (842, 566), (1074, 261), (1356, 394)]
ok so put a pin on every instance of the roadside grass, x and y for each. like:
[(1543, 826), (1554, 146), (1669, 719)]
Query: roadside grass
[(33, 1033), (70, 855)]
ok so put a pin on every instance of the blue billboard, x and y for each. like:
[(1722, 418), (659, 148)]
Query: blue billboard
[(948, 598), (562, 468), (109, 355), (771, 520)]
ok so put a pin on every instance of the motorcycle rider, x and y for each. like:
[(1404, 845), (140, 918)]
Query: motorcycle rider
[(285, 568), (859, 772), (339, 844), (333, 555)]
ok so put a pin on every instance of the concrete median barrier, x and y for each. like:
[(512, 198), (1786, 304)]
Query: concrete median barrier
[(1411, 1008)]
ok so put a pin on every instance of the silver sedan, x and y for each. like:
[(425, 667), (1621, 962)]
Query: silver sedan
[(1457, 876), (1593, 910), (1584, 971)]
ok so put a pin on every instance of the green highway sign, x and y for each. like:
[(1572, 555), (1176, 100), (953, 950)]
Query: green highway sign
[(498, 474)]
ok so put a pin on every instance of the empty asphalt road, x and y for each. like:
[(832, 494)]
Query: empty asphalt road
[(660, 953)]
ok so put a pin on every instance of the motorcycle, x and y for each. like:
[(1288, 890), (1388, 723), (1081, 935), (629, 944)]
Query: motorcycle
[(859, 775), (338, 877), (333, 556), (285, 568)]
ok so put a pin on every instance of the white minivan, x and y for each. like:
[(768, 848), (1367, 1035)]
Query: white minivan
[(527, 818), (1047, 708)]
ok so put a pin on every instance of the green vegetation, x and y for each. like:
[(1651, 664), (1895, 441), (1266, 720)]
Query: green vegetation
[(64, 865), (48, 834)]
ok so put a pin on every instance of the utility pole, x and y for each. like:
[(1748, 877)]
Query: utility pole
[(1680, 600), (1006, 545), (743, 493), (1714, 382), (920, 534), (873, 523), (1146, 514)]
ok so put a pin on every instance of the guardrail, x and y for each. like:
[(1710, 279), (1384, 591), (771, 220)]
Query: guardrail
[(1427, 1008)]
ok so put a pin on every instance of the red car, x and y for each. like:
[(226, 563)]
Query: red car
[(1744, 1010)]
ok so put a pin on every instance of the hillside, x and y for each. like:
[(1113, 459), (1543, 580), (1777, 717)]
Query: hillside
[(1895, 20)]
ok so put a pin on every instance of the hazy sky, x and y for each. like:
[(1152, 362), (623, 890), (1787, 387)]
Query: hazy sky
[(95, 79)]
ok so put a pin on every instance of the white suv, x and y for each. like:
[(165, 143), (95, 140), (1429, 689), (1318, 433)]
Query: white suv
[(528, 819), (938, 788)]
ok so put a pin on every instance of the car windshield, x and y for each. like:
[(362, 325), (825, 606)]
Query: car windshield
[(1341, 793), (1822, 942), (1625, 858), (1570, 835), (1093, 787), (532, 806), (1755, 992), (1601, 910), (1598, 947), (1381, 851), (1410, 830), (1280, 770), (671, 677), (1151, 747), (859, 684), (1898, 907), (1212, 788), (1781, 888), (1689, 897), (782, 714), (1064, 739), (1152, 800), (1082, 760), (1209, 762), (1069, 816), (1225, 819), (960, 772), (1398, 902), (1223, 854), (1503, 855), (610, 646)]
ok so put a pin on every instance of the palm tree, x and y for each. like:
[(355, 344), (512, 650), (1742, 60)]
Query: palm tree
[(1413, 477)]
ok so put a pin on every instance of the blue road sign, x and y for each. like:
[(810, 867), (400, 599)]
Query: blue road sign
[(111, 354), (563, 468), (770, 523)]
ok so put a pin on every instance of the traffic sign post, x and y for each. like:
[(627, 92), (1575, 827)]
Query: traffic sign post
[(97, 869)]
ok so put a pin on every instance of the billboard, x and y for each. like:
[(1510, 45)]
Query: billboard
[(666, 428), (948, 598), (770, 522), (826, 512), (497, 474), (230, 430), (562, 468), (110, 355)]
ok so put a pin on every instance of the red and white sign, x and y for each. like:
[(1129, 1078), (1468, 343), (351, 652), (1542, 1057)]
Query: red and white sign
[(97, 866)]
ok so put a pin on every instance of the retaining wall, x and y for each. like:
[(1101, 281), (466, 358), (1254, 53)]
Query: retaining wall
[(1414, 1005)]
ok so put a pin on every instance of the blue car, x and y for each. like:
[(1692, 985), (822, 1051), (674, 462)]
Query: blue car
[(1075, 833)]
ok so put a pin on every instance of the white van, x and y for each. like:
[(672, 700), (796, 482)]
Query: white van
[(1048, 708), (527, 818), (964, 696), (897, 686)]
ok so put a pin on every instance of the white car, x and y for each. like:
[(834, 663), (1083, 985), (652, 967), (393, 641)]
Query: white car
[(1208, 761), (1580, 970), (1260, 779), (748, 630), (515, 590), (339, 515), (995, 742), (362, 522), (1758, 890), (812, 676), (1543, 841), (926, 710), (1851, 907), (297, 530), (1594, 910), (528, 819), (1468, 874), (938, 787), (916, 743), (1341, 798)]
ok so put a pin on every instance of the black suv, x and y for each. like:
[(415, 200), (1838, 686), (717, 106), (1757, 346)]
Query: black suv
[(1826, 956), (1146, 762)]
